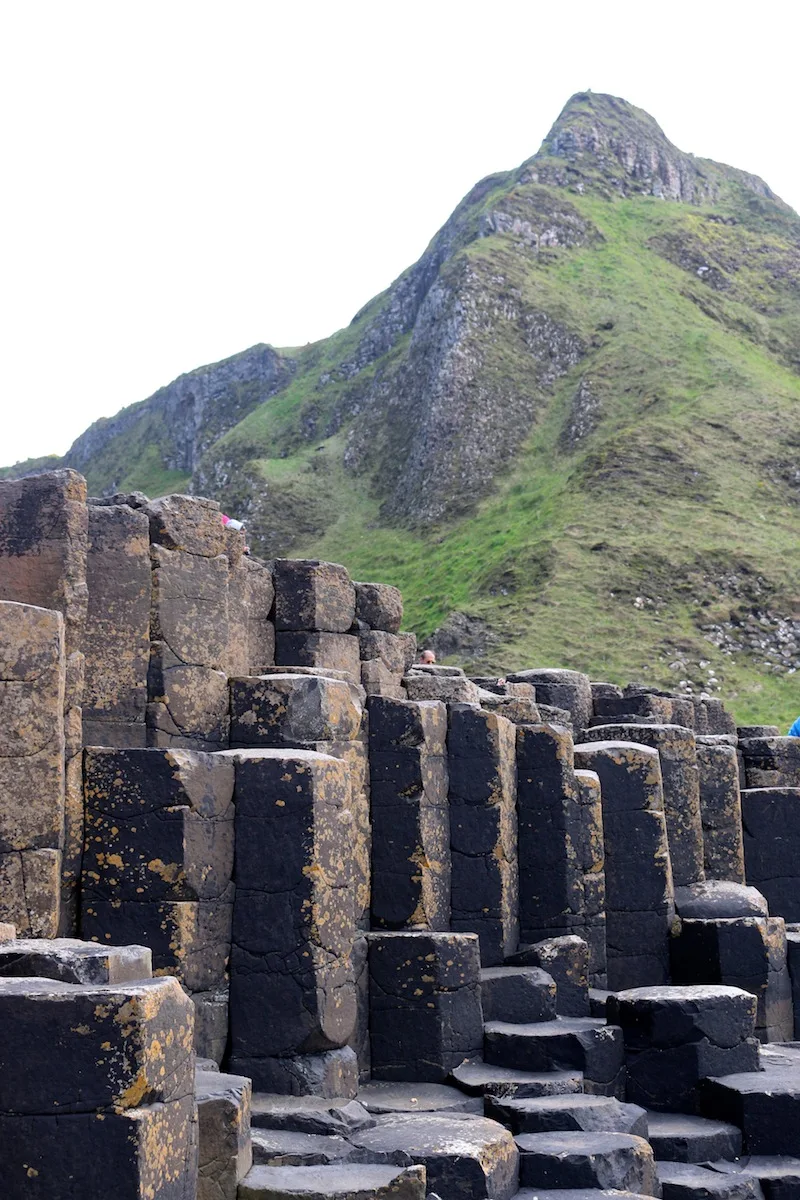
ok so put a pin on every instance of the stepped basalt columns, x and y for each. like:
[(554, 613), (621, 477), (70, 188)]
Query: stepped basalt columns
[(446, 936)]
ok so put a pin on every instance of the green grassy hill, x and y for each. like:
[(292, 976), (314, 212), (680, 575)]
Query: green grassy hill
[(574, 423)]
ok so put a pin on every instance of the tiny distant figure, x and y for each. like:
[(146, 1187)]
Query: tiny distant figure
[(427, 657), (795, 730)]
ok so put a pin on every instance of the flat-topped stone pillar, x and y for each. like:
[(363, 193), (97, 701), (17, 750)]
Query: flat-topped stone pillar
[(677, 752), (102, 1098), (675, 1036), (425, 1004), (483, 830), (721, 811), (293, 994), (411, 865), (550, 815), (639, 895), (32, 767)]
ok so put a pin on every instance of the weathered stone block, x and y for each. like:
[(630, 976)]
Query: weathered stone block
[(521, 994), (380, 606), (189, 939), (637, 873), (332, 1073), (70, 960), (771, 820), (551, 888), (425, 1004), (190, 606), (313, 595), (566, 960), (189, 523), (284, 710), (450, 689), (618, 1161), (93, 1047), (378, 681), (211, 1024), (188, 704), (159, 825), (30, 887), (568, 1044), (411, 862), (225, 1153), (562, 689), (483, 830), (251, 595), (337, 650), (292, 977), (32, 683), (43, 539), (645, 707), (145, 1153), (387, 647), (677, 752), (721, 812), (116, 640), (343, 1181), (711, 717), (466, 1158), (744, 952), (771, 762)]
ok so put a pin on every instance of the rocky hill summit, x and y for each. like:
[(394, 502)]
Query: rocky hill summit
[(572, 423)]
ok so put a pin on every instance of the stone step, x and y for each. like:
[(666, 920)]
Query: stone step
[(381, 1098), (778, 1176), (343, 1182), (466, 1157), (517, 994), (223, 1129), (283, 1148), (575, 1194), (687, 1181), (764, 1104), (483, 1079), (308, 1114), (584, 1044), (556, 1114), (587, 1160), (678, 1137)]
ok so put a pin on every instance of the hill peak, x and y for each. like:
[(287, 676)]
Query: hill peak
[(603, 143)]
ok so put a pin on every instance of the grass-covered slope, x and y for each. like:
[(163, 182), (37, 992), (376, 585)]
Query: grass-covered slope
[(574, 421)]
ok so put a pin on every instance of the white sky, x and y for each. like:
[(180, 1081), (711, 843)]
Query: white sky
[(181, 179)]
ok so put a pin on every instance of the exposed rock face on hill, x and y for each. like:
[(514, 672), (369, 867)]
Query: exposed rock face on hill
[(575, 414)]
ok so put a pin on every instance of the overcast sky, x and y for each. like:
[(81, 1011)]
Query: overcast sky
[(184, 179)]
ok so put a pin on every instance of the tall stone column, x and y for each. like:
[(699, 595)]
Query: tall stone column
[(32, 779)]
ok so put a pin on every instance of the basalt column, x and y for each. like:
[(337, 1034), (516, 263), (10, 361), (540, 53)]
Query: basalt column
[(551, 874), (32, 682), (315, 608), (639, 894), (677, 752), (158, 864), (43, 546), (293, 994), (771, 819), (291, 709), (483, 830), (410, 814), (192, 555), (593, 858), (721, 811), (100, 1103), (117, 637)]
